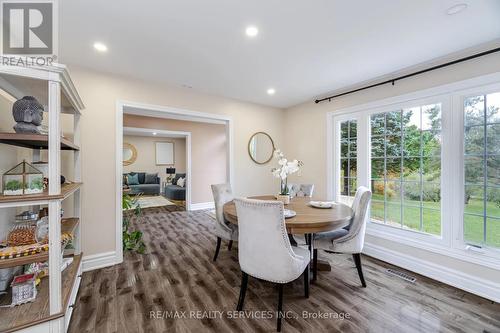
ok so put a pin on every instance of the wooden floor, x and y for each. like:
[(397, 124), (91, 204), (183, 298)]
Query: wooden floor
[(177, 274)]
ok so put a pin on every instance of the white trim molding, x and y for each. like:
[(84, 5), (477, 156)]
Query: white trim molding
[(470, 283), (99, 260), (203, 205)]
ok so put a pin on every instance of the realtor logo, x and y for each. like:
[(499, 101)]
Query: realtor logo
[(27, 28)]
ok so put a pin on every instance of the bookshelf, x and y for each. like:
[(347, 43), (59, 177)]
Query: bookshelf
[(52, 308)]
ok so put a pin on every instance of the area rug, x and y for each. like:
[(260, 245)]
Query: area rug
[(153, 201)]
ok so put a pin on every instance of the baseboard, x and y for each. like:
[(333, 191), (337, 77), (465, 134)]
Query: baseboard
[(457, 279), (100, 260), (202, 205)]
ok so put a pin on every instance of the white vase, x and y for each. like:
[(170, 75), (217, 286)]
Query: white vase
[(283, 198)]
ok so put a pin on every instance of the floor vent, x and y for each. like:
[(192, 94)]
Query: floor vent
[(401, 275)]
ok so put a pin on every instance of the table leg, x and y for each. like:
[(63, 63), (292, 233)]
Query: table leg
[(310, 243)]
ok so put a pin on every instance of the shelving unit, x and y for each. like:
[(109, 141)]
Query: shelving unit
[(53, 87)]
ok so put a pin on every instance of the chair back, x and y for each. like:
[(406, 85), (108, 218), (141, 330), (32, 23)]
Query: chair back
[(300, 190), (354, 240), (222, 194), (264, 250)]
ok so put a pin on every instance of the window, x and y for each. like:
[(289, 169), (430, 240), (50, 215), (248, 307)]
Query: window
[(432, 162), (482, 170), (406, 168), (348, 159)]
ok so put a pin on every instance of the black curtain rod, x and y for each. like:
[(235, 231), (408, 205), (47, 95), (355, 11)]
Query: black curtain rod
[(392, 81)]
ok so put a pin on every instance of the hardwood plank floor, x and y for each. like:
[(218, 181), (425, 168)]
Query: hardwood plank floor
[(177, 274)]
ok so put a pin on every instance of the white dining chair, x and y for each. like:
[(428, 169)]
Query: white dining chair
[(350, 239), (223, 229), (264, 250), (300, 190)]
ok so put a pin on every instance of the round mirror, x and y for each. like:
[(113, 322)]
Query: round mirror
[(129, 154), (261, 148)]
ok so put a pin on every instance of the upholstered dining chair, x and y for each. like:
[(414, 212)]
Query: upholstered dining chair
[(300, 190), (223, 229), (264, 250), (350, 239)]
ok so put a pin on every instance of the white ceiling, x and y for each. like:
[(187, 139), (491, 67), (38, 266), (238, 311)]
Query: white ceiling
[(304, 48)]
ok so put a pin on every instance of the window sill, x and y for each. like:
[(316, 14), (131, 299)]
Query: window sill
[(488, 257)]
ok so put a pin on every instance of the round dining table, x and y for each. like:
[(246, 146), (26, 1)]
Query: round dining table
[(308, 221)]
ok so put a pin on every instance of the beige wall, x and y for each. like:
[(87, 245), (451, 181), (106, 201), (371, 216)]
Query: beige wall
[(306, 140), (101, 91), (146, 155), (208, 151)]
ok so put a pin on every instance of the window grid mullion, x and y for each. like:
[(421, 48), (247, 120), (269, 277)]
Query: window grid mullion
[(485, 169), (421, 164), (401, 189)]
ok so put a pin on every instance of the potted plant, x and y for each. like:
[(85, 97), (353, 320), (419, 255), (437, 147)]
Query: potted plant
[(35, 186), (13, 187), (282, 172)]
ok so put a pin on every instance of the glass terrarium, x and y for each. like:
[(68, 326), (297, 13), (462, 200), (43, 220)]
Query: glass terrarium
[(22, 179)]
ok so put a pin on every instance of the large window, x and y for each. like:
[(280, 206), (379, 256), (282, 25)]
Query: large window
[(482, 170), (406, 168), (432, 162), (348, 158)]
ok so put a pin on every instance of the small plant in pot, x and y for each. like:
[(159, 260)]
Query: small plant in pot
[(35, 186), (282, 172), (13, 187)]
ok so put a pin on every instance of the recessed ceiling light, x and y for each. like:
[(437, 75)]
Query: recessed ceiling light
[(455, 9), (252, 31), (100, 47), (154, 133), (271, 91)]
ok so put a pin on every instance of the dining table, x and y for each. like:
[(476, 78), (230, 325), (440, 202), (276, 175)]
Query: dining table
[(308, 221)]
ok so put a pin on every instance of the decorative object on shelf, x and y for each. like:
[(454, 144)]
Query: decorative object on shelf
[(22, 235), (261, 148), (170, 173), (42, 229), (129, 154), (23, 289), (28, 114), (27, 217), (6, 276), (282, 172), (24, 178)]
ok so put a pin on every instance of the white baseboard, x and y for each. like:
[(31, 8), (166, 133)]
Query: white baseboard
[(452, 277), (100, 260), (202, 205)]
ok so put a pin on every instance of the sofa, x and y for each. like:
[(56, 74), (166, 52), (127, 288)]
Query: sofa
[(174, 191), (150, 187)]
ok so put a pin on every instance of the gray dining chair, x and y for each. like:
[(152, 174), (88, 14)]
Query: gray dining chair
[(223, 229), (300, 190), (264, 251), (349, 239)]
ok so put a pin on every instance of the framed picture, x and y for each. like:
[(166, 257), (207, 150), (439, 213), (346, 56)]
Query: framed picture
[(164, 153)]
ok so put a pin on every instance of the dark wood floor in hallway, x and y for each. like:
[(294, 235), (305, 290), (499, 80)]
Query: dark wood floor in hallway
[(177, 277)]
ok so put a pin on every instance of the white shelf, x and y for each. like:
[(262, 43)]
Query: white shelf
[(53, 87)]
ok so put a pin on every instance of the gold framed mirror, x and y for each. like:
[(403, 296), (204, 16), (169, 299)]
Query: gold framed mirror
[(129, 154), (261, 148)]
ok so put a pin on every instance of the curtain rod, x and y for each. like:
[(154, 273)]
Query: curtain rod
[(392, 81)]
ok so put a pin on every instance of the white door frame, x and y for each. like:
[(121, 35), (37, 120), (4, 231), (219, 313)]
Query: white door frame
[(159, 111)]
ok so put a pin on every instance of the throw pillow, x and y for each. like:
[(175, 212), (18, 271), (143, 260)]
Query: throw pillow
[(181, 182), (150, 178), (133, 179)]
